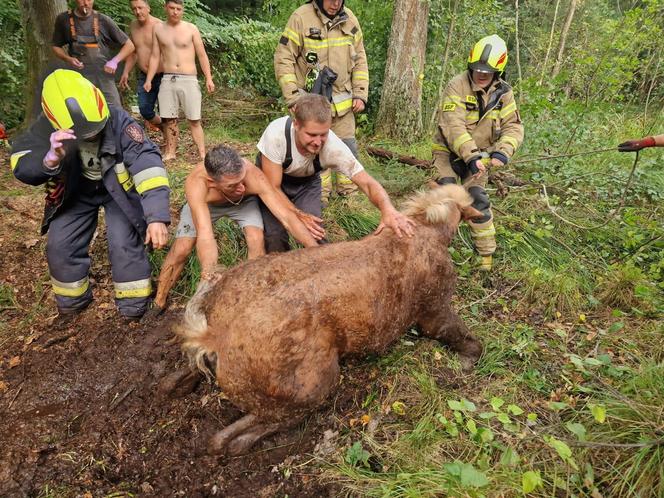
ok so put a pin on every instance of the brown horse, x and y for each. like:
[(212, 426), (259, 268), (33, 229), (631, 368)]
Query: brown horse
[(276, 327)]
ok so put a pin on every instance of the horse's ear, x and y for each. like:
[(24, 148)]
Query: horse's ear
[(469, 213)]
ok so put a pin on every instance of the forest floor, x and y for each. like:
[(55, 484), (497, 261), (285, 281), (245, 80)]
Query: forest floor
[(566, 400)]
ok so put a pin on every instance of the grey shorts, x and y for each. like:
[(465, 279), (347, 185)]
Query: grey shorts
[(246, 214), (179, 90)]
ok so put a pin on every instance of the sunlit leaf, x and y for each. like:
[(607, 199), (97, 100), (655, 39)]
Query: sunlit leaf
[(530, 480)]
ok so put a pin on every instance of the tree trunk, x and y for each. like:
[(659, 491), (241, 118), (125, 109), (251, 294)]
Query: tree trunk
[(38, 20), (443, 72), (563, 38), (400, 113), (548, 47)]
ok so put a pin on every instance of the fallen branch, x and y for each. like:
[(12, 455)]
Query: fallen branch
[(15, 396), (58, 340), (119, 399), (387, 154)]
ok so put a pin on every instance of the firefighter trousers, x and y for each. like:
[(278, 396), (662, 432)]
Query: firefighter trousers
[(332, 181), (482, 230), (69, 237)]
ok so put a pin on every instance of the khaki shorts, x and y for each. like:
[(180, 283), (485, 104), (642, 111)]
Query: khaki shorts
[(180, 90), (245, 214)]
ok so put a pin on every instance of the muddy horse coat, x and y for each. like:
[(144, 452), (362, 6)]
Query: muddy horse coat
[(278, 325)]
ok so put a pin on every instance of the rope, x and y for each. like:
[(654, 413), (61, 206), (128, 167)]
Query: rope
[(546, 158)]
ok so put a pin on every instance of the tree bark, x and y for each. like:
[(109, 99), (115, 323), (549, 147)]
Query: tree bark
[(563, 38), (443, 79), (400, 113), (38, 21)]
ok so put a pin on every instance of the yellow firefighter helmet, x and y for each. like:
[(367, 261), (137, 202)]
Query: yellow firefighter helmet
[(488, 55), (71, 101)]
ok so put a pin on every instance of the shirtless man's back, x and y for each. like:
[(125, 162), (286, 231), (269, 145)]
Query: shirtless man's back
[(176, 44)]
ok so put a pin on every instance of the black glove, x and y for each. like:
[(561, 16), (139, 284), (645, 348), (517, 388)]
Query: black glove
[(636, 145), (323, 84), (472, 166)]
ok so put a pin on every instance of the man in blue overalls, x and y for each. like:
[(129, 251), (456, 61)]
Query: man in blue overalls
[(90, 37)]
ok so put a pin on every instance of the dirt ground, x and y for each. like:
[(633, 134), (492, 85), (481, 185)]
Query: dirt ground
[(80, 409)]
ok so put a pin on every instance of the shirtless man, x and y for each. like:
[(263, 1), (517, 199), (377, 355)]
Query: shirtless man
[(140, 32), (177, 43), (227, 185)]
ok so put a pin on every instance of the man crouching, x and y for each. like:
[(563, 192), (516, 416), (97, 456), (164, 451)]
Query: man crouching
[(227, 185)]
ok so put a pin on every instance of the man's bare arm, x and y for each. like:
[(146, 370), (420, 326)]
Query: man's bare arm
[(155, 57), (206, 245), (203, 59), (389, 216), (279, 206), (129, 66)]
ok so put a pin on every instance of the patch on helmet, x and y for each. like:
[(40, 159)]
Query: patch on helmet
[(135, 132)]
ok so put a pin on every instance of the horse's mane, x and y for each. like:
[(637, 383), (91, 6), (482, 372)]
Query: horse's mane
[(435, 205)]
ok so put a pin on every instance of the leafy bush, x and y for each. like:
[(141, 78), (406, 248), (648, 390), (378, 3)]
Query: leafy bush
[(12, 64), (246, 51)]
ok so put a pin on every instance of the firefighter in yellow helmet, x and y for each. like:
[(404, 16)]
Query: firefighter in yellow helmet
[(323, 36), (90, 156), (479, 128)]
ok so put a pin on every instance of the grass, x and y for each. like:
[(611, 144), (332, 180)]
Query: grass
[(570, 319)]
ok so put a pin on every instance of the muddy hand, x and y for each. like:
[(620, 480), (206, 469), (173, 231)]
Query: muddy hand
[(313, 224), (57, 151), (399, 223)]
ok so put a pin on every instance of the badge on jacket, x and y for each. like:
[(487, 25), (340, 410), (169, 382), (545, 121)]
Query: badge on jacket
[(314, 34), (135, 132)]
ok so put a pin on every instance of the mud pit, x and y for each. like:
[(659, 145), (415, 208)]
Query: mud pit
[(86, 415), (80, 410)]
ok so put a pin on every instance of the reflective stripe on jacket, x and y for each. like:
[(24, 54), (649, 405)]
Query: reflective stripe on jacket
[(132, 170), (337, 44), (472, 120)]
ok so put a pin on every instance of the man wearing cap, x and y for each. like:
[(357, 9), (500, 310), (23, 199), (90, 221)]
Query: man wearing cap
[(325, 34), (90, 155), (90, 37), (479, 128)]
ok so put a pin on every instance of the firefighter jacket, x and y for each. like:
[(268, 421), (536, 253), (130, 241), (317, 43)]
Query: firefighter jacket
[(131, 167), (474, 122), (312, 41)]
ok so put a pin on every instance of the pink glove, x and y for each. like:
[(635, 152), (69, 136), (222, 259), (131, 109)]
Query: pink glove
[(57, 152), (112, 65)]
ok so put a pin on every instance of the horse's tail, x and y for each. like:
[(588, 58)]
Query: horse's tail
[(197, 339)]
